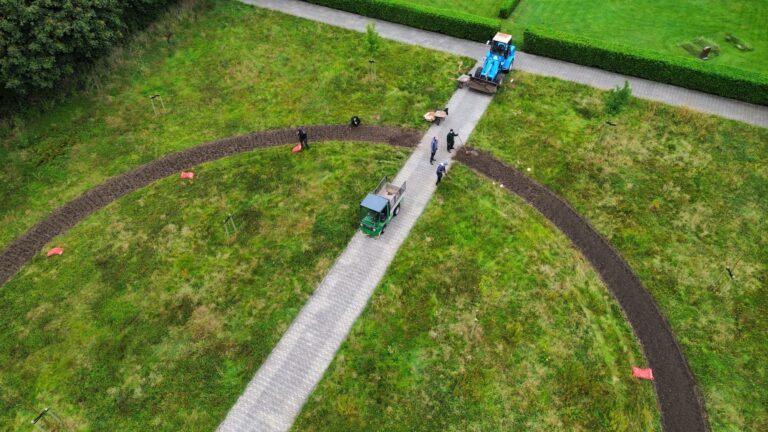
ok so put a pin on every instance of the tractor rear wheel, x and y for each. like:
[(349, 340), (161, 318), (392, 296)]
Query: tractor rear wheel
[(396, 211)]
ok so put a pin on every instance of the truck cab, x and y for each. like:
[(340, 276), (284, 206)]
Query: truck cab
[(380, 206)]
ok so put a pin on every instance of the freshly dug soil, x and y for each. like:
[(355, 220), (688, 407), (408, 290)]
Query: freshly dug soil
[(682, 408), (28, 244)]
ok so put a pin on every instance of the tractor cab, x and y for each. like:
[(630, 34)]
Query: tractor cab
[(501, 44), (380, 206)]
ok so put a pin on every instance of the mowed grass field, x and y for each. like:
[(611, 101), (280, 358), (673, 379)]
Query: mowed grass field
[(655, 25), (155, 319), (487, 320), (230, 69), (682, 196)]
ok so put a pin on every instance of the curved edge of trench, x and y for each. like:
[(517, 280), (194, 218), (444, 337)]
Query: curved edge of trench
[(681, 405), (680, 402), (29, 244)]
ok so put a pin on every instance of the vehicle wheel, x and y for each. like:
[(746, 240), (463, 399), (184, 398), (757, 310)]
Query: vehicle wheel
[(382, 231), (396, 211), (478, 71), (498, 79)]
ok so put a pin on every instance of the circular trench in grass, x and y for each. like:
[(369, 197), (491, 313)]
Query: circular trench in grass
[(677, 393)]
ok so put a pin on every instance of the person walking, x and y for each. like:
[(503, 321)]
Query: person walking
[(303, 138), (440, 172), (434, 151), (450, 139)]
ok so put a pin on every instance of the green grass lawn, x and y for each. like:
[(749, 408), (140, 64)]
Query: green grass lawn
[(153, 319), (488, 319), (231, 70), (656, 25), (681, 195)]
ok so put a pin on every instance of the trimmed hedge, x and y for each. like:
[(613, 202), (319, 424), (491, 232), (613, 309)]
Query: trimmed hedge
[(684, 72), (461, 25), (507, 8)]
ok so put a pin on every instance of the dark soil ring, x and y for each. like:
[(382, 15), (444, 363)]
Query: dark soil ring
[(682, 408), (28, 244)]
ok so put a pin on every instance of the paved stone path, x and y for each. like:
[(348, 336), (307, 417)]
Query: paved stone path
[(677, 96), (277, 393)]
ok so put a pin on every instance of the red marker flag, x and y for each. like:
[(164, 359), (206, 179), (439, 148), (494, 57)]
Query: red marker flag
[(56, 251), (642, 373)]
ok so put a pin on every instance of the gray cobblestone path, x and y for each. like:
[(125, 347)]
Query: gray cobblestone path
[(672, 95), (274, 397)]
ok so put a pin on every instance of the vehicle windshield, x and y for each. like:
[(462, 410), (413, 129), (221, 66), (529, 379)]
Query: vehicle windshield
[(498, 48), (373, 215)]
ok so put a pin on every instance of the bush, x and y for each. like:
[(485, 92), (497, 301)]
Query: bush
[(507, 8), (617, 98), (684, 72), (42, 43), (456, 24)]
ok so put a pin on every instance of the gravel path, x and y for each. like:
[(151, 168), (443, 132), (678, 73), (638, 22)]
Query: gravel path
[(682, 408), (641, 88)]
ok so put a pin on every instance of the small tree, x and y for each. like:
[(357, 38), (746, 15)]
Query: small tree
[(617, 98), (372, 40), (372, 44)]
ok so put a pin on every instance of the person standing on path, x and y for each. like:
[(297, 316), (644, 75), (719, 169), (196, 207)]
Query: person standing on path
[(450, 139), (434, 151), (303, 139), (440, 172)]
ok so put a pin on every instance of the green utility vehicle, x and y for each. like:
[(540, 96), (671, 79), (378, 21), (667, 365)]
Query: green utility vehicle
[(380, 206)]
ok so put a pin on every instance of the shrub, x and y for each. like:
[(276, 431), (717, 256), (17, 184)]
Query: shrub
[(461, 25), (617, 98), (684, 72), (507, 8)]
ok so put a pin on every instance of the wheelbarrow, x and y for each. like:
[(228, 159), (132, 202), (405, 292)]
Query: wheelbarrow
[(435, 116)]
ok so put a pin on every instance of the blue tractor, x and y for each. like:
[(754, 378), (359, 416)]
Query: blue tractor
[(498, 61)]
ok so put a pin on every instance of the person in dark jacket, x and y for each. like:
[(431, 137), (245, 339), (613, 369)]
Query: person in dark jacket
[(303, 138), (434, 151), (440, 172), (450, 139)]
